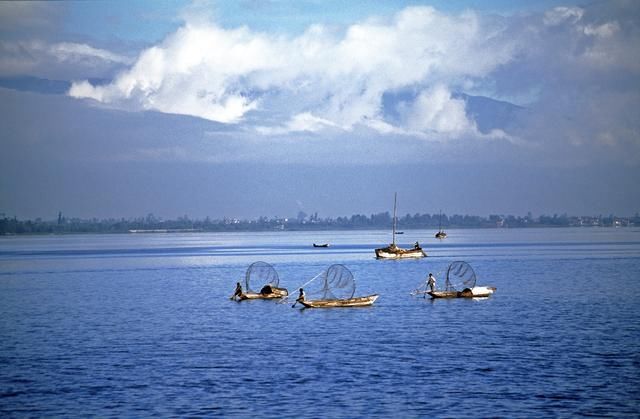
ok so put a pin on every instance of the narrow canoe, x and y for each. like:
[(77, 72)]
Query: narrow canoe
[(351, 302)]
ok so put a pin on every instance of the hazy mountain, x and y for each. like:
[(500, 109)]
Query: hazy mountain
[(489, 113)]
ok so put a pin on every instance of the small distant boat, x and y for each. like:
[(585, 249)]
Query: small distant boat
[(440, 234), (461, 283), (393, 251), (260, 273), (321, 245), (399, 232), (337, 291)]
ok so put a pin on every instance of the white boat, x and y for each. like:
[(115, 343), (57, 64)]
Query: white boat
[(393, 251)]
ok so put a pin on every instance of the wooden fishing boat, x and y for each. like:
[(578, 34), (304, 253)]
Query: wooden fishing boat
[(349, 302), (338, 288), (393, 251), (461, 283), (260, 273), (475, 292)]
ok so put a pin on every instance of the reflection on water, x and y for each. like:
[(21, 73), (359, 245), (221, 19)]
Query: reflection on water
[(132, 325)]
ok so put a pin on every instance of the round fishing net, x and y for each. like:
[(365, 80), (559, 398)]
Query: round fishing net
[(460, 275), (260, 274), (338, 283)]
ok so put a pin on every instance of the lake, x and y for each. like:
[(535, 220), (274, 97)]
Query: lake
[(141, 324)]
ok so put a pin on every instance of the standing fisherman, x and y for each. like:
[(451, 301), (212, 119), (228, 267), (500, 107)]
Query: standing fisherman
[(300, 298), (431, 283), (237, 292)]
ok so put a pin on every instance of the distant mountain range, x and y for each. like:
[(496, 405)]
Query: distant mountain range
[(488, 113)]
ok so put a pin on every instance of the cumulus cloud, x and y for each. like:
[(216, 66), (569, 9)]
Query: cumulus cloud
[(320, 79), (401, 76), (435, 110)]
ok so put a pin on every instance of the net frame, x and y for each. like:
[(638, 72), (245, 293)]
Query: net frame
[(262, 273), (335, 283), (460, 275)]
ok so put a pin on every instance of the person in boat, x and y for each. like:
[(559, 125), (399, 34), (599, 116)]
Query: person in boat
[(416, 246), (300, 298), (431, 282), (237, 292)]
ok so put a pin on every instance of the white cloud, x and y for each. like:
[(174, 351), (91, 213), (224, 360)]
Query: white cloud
[(399, 77), (57, 60), (299, 123), (436, 111), (560, 15), (320, 79), (68, 51)]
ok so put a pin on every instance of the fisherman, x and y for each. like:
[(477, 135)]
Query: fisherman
[(237, 292), (416, 246), (431, 283), (300, 298)]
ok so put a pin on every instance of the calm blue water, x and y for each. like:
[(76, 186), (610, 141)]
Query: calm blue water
[(140, 325)]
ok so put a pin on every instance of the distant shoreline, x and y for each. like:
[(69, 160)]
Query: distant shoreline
[(288, 230), (303, 222)]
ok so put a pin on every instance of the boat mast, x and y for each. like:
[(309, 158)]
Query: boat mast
[(440, 222), (395, 197)]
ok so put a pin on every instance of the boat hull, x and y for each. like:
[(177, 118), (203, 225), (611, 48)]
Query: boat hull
[(475, 292), (398, 253), (351, 302), (277, 293)]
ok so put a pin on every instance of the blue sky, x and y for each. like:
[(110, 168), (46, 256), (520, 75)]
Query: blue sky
[(150, 21), (252, 108)]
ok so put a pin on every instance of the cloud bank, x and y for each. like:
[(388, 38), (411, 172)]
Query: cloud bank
[(575, 70), (324, 78)]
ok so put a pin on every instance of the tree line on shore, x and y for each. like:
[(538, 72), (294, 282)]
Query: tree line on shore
[(150, 223)]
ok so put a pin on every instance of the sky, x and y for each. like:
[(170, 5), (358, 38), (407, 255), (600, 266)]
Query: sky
[(258, 108)]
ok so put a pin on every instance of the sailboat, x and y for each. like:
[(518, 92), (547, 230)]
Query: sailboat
[(393, 251), (440, 234)]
